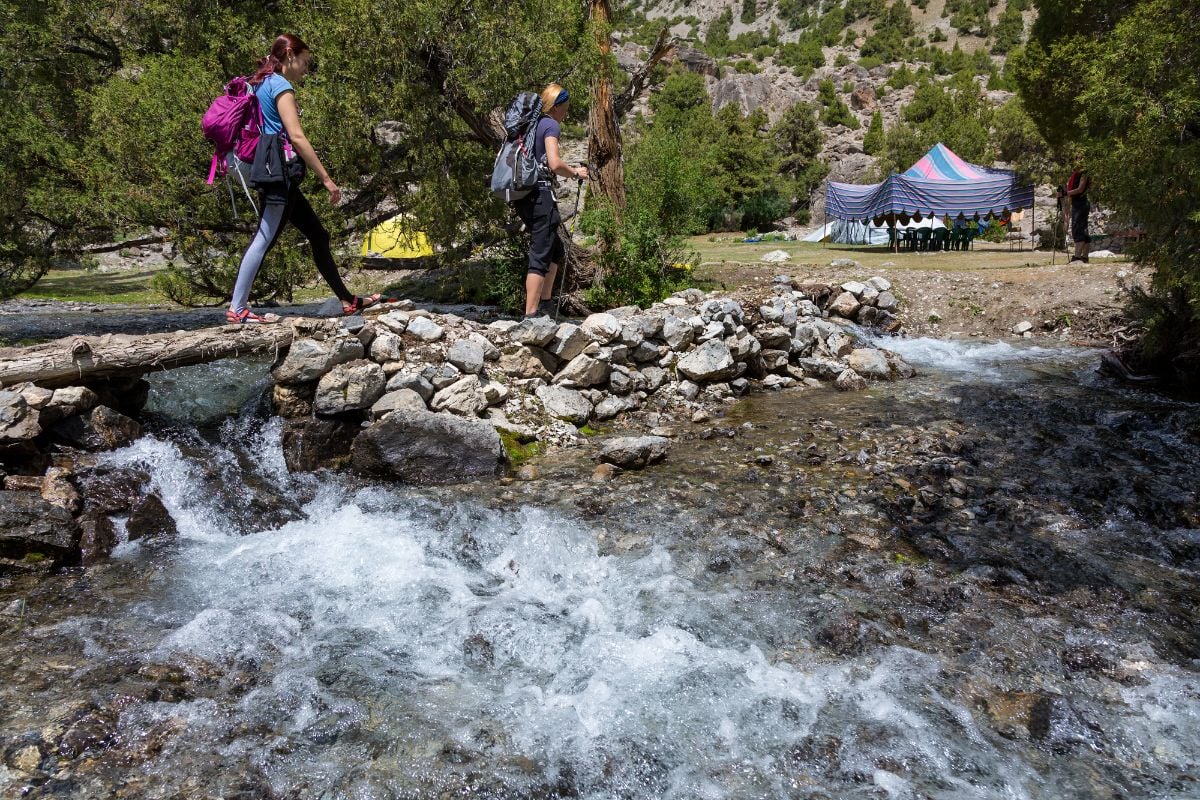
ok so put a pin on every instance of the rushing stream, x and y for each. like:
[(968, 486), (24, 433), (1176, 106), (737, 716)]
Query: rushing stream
[(980, 583)]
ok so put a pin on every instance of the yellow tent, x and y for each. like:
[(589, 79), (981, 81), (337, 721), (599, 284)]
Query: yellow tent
[(396, 239)]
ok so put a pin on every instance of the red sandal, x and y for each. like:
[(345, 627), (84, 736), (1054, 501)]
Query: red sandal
[(247, 317), (359, 303)]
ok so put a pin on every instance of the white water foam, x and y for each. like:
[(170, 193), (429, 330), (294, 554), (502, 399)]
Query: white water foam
[(991, 360), (388, 619)]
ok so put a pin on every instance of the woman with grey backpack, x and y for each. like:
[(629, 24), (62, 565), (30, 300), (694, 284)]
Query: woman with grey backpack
[(539, 210)]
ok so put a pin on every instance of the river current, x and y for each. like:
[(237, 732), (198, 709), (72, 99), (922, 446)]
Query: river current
[(979, 583)]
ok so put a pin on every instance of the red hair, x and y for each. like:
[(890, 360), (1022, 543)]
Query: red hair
[(279, 52)]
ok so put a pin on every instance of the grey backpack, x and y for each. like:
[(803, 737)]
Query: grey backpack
[(516, 172)]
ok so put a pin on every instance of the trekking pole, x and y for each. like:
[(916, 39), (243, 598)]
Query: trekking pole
[(567, 227)]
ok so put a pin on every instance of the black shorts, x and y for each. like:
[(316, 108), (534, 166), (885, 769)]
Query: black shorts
[(1079, 215), (539, 212)]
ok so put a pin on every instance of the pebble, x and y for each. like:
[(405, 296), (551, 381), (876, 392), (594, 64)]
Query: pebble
[(604, 473)]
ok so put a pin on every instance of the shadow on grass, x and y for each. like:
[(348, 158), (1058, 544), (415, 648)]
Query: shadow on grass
[(82, 285)]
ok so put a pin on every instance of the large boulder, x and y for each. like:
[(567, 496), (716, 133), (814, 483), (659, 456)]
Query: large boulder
[(69, 401), (464, 397), (565, 404), (634, 452), (583, 371), (401, 399), (693, 60), (535, 331), (102, 429), (850, 381), (569, 341), (750, 92), (411, 380), (387, 347), (34, 530), (524, 362), (711, 361), (150, 518), (613, 405), (845, 305), (602, 327), (316, 442), (870, 363), (97, 537), (350, 387), (308, 359), (425, 329), (467, 356), (292, 401), (421, 447), (19, 421), (677, 333)]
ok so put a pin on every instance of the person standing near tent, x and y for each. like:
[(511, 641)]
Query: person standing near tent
[(539, 210), (289, 61), (1077, 189)]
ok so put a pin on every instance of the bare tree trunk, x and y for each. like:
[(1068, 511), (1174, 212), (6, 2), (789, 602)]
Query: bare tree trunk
[(77, 359), (604, 134)]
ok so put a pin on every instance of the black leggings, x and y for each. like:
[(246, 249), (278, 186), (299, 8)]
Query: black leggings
[(295, 209)]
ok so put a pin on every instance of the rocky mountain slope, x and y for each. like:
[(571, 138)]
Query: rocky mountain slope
[(757, 78)]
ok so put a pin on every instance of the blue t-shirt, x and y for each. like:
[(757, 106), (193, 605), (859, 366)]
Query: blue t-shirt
[(546, 127), (267, 92)]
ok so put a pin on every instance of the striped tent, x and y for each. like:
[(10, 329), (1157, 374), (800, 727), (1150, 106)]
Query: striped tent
[(940, 184)]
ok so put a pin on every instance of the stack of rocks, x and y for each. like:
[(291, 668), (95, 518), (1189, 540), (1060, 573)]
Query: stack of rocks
[(375, 394)]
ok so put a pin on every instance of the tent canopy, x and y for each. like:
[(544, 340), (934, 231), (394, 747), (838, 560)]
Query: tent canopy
[(396, 238), (939, 184)]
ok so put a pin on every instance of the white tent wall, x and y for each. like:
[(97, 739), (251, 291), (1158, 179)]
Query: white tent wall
[(845, 231)]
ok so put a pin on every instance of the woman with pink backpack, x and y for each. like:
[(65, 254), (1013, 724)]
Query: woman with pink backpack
[(279, 167)]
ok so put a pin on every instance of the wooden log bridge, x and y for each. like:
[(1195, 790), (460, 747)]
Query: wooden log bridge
[(82, 359)]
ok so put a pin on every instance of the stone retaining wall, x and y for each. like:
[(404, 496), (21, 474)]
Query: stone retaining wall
[(540, 380)]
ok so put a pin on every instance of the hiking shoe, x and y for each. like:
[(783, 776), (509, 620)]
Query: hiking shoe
[(548, 307)]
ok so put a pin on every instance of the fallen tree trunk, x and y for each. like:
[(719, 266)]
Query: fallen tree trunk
[(79, 359)]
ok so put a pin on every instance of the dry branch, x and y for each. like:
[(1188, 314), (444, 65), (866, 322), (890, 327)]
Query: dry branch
[(637, 80)]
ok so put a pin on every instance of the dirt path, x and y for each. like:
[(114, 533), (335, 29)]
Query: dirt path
[(978, 293)]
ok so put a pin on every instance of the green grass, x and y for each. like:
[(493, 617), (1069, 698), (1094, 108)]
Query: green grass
[(984, 256), (92, 286)]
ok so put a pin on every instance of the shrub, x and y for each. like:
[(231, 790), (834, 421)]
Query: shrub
[(994, 232), (873, 142), (838, 113), (762, 209), (639, 259)]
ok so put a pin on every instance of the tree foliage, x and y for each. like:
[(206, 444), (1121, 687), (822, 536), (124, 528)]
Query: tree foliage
[(100, 103), (952, 112), (1118, 82)]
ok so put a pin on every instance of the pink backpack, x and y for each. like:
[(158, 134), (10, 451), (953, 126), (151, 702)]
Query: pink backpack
[(232, 123)]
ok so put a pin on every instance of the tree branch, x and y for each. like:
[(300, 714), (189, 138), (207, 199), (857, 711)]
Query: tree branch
[(486, 129), (637, 81)]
